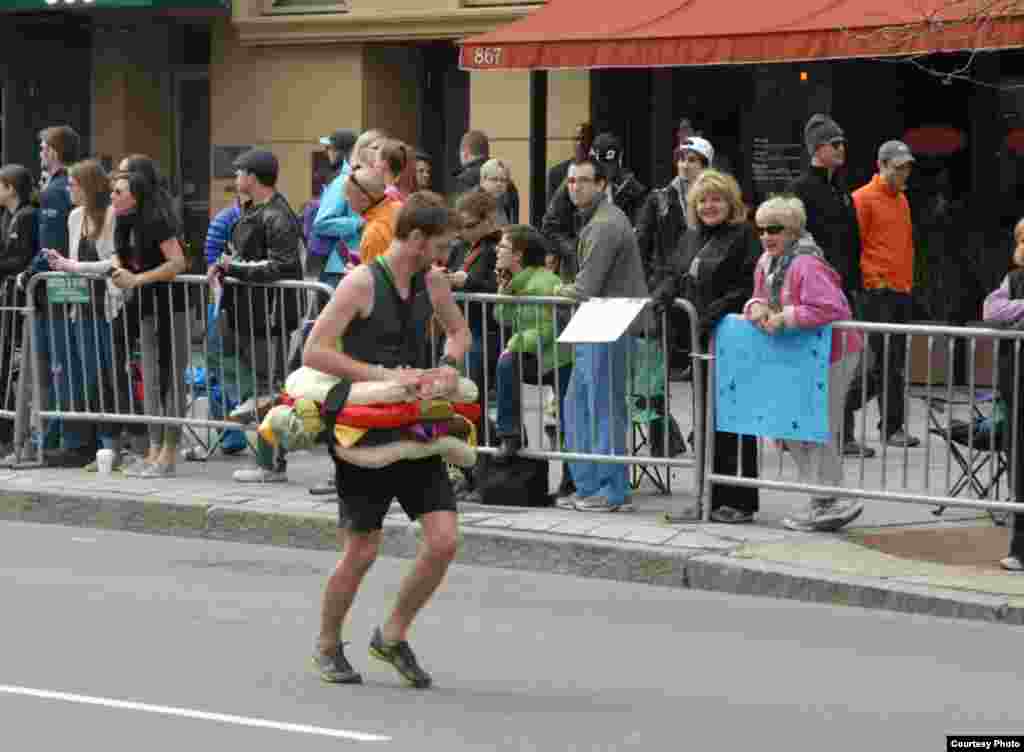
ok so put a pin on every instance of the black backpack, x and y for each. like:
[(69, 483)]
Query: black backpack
[(513, 482)]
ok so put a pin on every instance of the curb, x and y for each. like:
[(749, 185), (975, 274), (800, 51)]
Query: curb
[(696, 569)]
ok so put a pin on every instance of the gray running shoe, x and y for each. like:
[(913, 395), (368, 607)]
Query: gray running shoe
[(399, 655), (335, 669), (824, 516)]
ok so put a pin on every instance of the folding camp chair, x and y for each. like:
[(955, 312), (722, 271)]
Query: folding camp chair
[(977, 445), (647, 406)]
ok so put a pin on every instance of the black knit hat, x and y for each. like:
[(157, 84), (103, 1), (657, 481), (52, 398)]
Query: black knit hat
[(820, 129)]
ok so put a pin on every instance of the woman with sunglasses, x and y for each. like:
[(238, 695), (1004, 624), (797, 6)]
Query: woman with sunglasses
[(148, 255), (714, 269), (475, 273), (795, 288)]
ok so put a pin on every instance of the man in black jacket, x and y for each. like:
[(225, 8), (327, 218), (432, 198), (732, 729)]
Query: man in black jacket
[(583, 139), (266, 246), (474, 150), (624, 190), (832, 220)]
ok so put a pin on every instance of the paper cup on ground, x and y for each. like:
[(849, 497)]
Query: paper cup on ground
[(105, 461)]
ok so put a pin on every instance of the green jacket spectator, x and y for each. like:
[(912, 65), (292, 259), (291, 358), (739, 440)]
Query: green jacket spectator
[(533, 326)]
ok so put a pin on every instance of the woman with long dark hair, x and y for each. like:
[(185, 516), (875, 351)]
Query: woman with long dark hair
[(19, 241), (148, 257), (100, 349)]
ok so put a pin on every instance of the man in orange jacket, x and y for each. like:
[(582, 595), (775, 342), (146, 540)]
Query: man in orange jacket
[(887, 264)]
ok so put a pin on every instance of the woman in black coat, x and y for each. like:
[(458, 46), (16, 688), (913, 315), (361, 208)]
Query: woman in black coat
[(19, 242), (715, 271)]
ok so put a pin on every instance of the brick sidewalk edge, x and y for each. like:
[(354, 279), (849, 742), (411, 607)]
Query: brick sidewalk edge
[(495, 547)]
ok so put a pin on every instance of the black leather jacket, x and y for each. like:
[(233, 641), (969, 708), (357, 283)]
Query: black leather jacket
[(660, 225), (267, 243)]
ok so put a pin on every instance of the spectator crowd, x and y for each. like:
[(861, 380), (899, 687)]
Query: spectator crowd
[(816, 254)]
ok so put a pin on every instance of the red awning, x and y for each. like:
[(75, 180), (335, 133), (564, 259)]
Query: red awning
[(583, 34)]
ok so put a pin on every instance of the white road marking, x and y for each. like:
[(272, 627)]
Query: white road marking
[(238, 720), (83, 540)]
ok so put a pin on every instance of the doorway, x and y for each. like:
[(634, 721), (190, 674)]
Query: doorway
[(192, 158), (444, 115)]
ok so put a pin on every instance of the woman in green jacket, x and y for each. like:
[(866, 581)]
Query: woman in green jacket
[(530, 354)]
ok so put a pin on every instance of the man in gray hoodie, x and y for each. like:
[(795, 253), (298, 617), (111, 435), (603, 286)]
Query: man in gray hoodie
[(596, 411)]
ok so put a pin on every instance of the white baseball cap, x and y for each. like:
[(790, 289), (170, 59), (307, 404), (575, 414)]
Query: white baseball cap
[(700, 146)]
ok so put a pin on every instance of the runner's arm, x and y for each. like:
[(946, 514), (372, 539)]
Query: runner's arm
[(351, 300), (458, 338)]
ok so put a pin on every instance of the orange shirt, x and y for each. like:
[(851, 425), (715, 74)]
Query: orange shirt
[(379, 230), (886, 236)]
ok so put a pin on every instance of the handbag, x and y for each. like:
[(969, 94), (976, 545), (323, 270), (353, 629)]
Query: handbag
[(513, 482)]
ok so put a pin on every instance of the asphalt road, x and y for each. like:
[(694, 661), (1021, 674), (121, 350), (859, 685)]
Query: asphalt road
[(134, 641)]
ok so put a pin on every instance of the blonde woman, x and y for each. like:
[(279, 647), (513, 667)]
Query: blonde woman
[(714, 269), (795, 288)]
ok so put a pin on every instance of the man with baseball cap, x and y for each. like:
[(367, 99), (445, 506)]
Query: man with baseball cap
[(832, 219), (266, 245), (887, 264), (623, 190), (338, 145)]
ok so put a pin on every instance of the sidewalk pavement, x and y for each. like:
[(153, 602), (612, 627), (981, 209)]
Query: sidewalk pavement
[(896, 556)]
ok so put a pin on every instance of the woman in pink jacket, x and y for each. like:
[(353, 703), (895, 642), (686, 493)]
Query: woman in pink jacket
[(795, 288)]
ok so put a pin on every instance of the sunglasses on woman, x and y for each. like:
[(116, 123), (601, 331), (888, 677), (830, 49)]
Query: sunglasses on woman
[(770, 229)]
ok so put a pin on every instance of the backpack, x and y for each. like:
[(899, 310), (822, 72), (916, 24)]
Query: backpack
[(513, 482)]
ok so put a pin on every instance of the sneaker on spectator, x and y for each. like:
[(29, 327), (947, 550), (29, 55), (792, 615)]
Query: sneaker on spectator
[(259, 474), (602, 504), (854, 449), (824, 516), (902, 439), (568, 501)]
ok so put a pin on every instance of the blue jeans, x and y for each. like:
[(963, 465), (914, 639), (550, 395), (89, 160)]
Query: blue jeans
[(70, 357), (597, 418), (510, 390)]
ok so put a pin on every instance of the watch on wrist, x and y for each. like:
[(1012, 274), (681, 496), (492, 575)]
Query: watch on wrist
[(447, 360)]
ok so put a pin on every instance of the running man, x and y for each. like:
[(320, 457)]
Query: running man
[(378, 309)]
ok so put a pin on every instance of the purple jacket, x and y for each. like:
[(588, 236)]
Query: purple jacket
[(812, 296), (1000, 307), (316, 244)]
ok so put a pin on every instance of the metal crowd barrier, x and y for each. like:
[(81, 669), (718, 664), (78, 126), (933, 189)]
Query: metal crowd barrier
[(168, 345), (646, 398), (970, 435)]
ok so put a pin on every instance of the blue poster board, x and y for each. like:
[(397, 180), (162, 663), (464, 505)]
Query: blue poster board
[(772, 385)]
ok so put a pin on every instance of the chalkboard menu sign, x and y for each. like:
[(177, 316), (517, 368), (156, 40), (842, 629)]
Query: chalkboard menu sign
[(775, 165)]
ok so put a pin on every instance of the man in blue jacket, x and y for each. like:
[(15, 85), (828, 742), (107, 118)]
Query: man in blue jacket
[(70, 444), (335, 219)]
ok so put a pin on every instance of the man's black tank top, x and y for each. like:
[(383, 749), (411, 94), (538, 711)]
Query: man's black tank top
[(393, 334)]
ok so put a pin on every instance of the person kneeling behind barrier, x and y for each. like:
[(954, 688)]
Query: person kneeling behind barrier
[(376, 423)]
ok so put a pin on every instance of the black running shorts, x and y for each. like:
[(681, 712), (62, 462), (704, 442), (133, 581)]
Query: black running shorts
[(365, 494)]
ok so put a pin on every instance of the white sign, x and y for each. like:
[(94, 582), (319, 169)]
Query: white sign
[(602, 320)]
